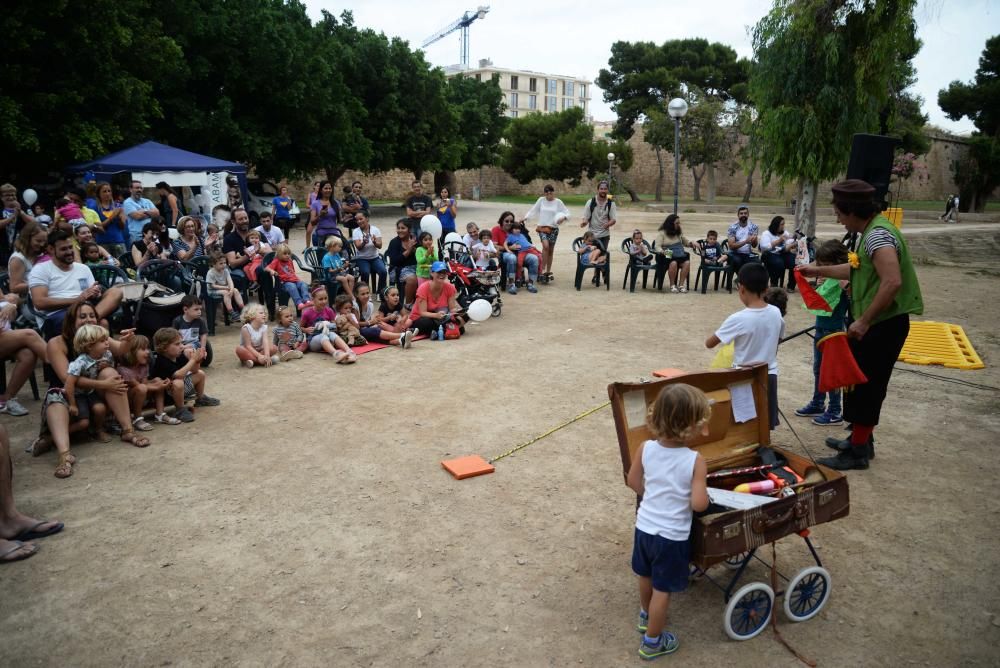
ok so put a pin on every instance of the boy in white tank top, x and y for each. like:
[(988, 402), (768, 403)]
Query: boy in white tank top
[(670, 478)]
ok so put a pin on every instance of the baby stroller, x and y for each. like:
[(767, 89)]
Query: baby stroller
[(473, 284)]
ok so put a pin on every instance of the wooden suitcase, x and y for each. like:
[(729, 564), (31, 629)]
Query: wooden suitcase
[(719, 536)]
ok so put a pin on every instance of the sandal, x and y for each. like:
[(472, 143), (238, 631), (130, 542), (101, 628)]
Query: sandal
[(135, 439), (163, 418), (40, 446), (65, 467), (101, 436), (141, 424)]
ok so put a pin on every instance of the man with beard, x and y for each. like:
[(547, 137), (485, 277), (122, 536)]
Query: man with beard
[(742, 237), (234, 247)]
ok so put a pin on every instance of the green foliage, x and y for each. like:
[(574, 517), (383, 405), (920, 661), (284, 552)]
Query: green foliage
[(822, 74), (902, 115), (557, 146), (481, 120)]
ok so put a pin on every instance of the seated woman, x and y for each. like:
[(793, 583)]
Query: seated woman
[(367, 241), (778, 249), (402, 254), (672, 258), (25, 347), (149, 247), (82, 234), (436, 303), (29, 249)]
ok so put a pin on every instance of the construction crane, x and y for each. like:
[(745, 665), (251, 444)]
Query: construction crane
[(464, 22)]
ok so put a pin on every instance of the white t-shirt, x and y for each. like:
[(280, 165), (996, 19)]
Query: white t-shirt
[(273, 237), (61, 284), (482, 252), (766, 239), (755, 333), (665, 509), (546, 212), (368, 251)]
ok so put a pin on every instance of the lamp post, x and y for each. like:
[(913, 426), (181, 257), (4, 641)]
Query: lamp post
[(677, 108), (611, 160)]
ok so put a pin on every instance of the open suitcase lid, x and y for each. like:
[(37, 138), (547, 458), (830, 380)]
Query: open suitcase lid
[(728, 437)]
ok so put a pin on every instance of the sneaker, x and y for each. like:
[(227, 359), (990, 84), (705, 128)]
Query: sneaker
[(846, 460), (163, 418), (827, 419), (531, 288), (434, 335), (683, 289), (248, 364), (512, 290), (184, 415), (234, 316), (810, 410), (291, 355), (13, 407), (405, 340), (275, 359), (205, 400), (673, 288), (643, 623), (842, 445), (667, 645)]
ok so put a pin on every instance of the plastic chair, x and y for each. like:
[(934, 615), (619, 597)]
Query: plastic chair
[(581, 268), (719, 270), (658, 276), (272, 291), (199, 267), (635, 265)]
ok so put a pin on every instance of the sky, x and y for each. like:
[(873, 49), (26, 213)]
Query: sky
[(573, 38)]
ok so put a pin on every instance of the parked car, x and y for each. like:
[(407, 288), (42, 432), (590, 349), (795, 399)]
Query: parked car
[(261, 195)]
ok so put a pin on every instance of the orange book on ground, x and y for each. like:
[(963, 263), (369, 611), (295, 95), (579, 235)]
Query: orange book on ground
[(467, 467)]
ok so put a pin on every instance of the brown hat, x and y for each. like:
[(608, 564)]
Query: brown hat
[(852, 190)]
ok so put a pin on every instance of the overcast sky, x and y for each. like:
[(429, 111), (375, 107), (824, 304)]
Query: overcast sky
[(574, 38)]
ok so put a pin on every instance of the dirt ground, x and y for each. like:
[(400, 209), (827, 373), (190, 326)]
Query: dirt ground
[(307, 521)]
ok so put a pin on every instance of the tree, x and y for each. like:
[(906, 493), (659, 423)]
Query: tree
[(481, 120), (642, 77), (78, 84), (822, 72), (978, 174), (557, 146), (901, 115)]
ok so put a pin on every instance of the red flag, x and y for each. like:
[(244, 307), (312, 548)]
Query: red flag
[(810, 297), (838, 368)]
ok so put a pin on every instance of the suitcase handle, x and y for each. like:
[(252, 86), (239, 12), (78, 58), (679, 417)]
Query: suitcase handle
[(763, 524)]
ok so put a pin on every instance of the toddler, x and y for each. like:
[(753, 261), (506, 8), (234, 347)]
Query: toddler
[(370, 321), (426, 256), (180, 367), (220, 282), (93, 343), (256, 250), (283, 268), (712, 251), (90, 253), (393, 312), (590, 251), (336, 266), (831, 252), (70, 211), (638, 250), (754, 331), (255, 346), (671, 480), (346, 322), (318, 324), (485, 252), (213, 243), (134, 370), (289, 339)]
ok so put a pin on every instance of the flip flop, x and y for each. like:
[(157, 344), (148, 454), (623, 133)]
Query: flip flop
[(34, 532), (18, 545)]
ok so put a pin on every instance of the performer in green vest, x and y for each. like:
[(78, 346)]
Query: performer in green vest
[(884, 292)]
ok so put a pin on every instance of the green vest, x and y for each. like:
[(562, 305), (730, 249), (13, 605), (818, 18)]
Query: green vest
[(865, 281)]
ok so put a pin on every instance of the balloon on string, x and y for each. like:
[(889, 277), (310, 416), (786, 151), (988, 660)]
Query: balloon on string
[(431, 224), (30, 196), (480, 310), (453, 236)]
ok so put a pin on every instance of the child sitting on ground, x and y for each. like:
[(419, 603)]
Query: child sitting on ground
[(426, 256), (591, 253), (255, 345), (317, 323), (134, 370), (369, 321), (194, 331), (283, 268), (671, 479), (220, 282), (638, 250), (179, 366), (337, 268), (289, 339), (713, 254), (485, 252), (394, 314), (831, 252), (754, 331), (346, 321)]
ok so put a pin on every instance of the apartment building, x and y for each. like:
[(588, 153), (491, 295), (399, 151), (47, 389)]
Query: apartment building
[(528, 92)]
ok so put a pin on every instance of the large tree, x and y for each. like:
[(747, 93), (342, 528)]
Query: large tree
[(642, 77), (978, 174), (481, 120), (822, 73)]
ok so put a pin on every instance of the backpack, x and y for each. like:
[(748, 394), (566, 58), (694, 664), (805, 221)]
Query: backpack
[(451, 331), (593, 205)]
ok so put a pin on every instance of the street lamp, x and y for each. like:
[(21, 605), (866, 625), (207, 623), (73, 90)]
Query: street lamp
[(677, 109), (611, 160)]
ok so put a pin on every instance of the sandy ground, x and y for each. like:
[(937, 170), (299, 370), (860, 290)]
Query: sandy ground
[(308, 521)]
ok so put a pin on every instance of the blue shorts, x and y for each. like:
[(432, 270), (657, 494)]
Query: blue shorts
[(664, 561)]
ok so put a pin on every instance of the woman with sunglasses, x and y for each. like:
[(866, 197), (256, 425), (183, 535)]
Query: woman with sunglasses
[(551, 212)]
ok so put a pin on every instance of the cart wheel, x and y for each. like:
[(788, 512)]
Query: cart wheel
[(734, 562), (748, 611), (807, 593), (496, 310)]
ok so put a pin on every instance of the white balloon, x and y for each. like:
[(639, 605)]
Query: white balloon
[(452, 236), (430, 223), (30, 196), (480, 310)]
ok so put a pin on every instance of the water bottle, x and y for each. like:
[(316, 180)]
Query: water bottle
[(440, 332)]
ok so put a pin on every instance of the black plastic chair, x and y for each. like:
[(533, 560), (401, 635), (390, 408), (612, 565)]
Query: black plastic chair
[(635, 265), (199, 267), (663, 269), (719, 270), (581, 268), (272, 291)]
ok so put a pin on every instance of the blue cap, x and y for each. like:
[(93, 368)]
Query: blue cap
[(439, 266)]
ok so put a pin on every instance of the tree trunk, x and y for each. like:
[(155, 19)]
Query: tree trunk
[(332, 174), (795, 205), (806, 208), (418, 174), (697, 182), (711, 183), (632, 194), (659, 178), (749, 189)]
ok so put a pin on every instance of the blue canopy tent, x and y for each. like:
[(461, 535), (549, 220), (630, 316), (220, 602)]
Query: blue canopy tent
[(166, 163)]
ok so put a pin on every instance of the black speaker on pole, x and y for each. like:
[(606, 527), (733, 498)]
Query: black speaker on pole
[(871, 161)]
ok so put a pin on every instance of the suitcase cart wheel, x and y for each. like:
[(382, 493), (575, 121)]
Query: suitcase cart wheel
[(734, 562), (748, 611), (807, 593)]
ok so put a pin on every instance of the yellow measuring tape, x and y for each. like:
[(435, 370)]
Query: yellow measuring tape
[(550, 431)]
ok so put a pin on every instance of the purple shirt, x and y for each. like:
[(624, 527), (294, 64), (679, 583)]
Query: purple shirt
[(326, 224)]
